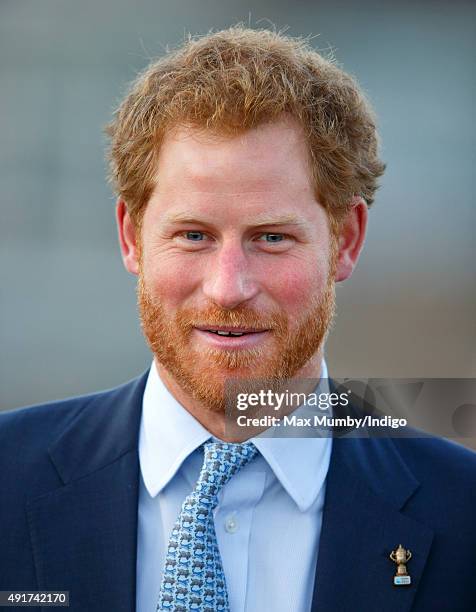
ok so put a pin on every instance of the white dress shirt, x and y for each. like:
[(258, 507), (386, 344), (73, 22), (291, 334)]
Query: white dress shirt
[(269, 516)]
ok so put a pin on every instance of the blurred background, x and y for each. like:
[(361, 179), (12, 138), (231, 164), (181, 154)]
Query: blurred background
[(68, 316)]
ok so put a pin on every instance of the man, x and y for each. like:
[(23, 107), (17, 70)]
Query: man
[(244, 164)]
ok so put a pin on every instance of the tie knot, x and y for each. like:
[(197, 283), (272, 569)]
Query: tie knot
[(221, 461)]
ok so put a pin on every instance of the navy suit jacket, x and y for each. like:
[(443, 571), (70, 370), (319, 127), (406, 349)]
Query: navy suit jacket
[(69, 476)]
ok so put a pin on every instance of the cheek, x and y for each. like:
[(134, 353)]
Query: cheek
[(170, 280), (293, 287)]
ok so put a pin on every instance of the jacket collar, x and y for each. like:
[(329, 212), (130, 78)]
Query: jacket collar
[(105, 428)]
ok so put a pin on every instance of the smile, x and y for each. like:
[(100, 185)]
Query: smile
[(230, 331), (228, 337), (226, 333)]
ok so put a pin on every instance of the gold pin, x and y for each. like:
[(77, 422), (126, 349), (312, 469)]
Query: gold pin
[(401, 557)]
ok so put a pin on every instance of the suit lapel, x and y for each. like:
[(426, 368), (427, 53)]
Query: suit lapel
[(367, 485), (84, 534)]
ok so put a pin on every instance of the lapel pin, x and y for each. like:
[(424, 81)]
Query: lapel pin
[(400, 556)]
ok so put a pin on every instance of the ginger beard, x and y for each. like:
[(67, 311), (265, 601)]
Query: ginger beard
[(203, 372)]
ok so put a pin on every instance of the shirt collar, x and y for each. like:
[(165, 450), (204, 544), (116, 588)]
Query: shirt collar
[(169, 434), (300, 464)]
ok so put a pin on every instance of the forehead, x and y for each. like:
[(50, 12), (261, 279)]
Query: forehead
[(272, 157)]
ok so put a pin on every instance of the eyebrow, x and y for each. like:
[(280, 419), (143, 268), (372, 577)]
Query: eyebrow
[(261, 220)]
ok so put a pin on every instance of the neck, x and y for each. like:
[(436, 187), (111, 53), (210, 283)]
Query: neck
[(215, 422)]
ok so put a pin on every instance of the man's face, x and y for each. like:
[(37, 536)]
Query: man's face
[(233, 240)]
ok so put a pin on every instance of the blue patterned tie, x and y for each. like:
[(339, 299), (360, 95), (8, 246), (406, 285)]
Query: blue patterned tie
[(193, 575)]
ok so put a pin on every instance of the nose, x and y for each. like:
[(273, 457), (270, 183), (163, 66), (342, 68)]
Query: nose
[(229, 281)]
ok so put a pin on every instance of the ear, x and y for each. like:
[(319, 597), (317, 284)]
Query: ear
[(127, 238), (351, 239)]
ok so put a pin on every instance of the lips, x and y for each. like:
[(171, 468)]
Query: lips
[(226, 333), (230, 331), (230, 337)]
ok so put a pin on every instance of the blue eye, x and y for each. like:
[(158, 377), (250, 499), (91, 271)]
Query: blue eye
[(274, 237), (194, 236)]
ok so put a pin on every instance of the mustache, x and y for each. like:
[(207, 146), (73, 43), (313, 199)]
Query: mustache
[(241, 316), (188, 318)]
